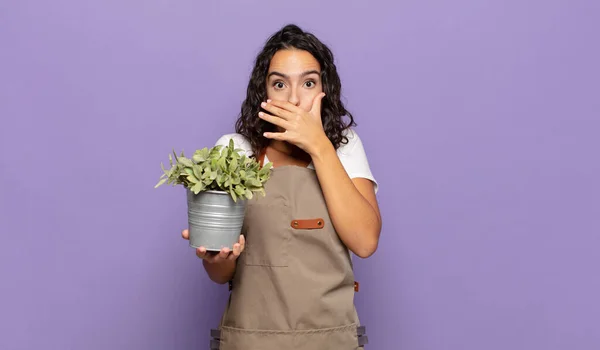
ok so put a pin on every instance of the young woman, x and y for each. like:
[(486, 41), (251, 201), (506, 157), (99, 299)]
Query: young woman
[(291, 278)]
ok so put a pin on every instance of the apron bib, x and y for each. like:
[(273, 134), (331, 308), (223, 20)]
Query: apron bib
[(294, 284)]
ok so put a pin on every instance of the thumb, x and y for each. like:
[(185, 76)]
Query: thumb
[(316, 107)]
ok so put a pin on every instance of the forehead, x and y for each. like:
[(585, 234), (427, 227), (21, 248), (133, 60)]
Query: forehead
[(292, 62)]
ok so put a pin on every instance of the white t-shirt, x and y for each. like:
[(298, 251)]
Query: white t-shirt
[(352, 154)]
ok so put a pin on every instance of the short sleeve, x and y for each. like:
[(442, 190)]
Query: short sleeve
[(354, 158), (239, 141)]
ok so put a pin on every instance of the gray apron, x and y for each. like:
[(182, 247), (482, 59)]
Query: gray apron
[(294, 285)]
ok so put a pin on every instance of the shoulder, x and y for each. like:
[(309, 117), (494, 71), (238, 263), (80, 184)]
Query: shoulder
[(239, 141), (353, 157), (353, 142)]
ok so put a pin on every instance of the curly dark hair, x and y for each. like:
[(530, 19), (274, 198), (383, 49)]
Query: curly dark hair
[(332, 108)]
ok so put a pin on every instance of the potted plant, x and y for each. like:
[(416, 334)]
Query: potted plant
[(218, 182)]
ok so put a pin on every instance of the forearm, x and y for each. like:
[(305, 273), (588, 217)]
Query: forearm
[(220, 272), (356, 221)]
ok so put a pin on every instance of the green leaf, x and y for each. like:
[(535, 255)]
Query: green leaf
[(235, 179), (200, 155), (162, 181), (253, 182), (220, 179), (185, 161), (239, 190), (222, 163), (233, 165), (233, 195), (197, 187), (214, 152), (192, 179), (197, 171), (265, 169)]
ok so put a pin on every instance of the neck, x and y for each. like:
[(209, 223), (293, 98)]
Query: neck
[(289, 150), (284, 147)]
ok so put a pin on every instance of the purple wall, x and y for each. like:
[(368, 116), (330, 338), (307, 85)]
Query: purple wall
[(480, 118)]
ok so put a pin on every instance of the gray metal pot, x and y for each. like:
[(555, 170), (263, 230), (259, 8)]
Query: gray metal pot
[(214, 219)]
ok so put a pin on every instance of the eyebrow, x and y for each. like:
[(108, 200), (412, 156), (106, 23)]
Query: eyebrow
[(287, 77)]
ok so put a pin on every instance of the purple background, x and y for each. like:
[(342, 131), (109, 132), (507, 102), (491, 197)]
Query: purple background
[(480, 120)]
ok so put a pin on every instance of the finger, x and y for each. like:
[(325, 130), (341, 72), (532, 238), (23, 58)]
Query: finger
[(274, 120), (224, 253), (201, 252), (185, 234), (278, 111), (242, 243), (280, 136), (286, 106), (235, 253), (316, 107)]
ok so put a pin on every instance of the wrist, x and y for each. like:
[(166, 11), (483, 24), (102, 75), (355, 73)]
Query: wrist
[(322, 147)]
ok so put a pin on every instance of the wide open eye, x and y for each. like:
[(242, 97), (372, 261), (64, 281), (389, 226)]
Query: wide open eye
[(278, 85), (310, 84)]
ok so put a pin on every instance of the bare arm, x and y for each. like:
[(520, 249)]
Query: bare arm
[(351, 203)]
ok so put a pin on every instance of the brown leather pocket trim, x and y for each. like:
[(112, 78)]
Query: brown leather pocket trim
[(308, 224)]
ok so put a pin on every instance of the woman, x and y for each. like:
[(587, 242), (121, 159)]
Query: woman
[(290, 274)]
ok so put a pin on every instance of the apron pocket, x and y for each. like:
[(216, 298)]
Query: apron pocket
[(267, 233), (342, 338)]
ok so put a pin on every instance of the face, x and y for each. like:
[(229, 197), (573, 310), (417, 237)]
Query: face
[(294, 76)]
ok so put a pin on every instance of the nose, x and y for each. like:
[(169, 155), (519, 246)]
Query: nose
[(293, 97)]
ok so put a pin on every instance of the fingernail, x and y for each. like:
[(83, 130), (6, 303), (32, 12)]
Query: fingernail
[(268, 101), (263, 104)]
